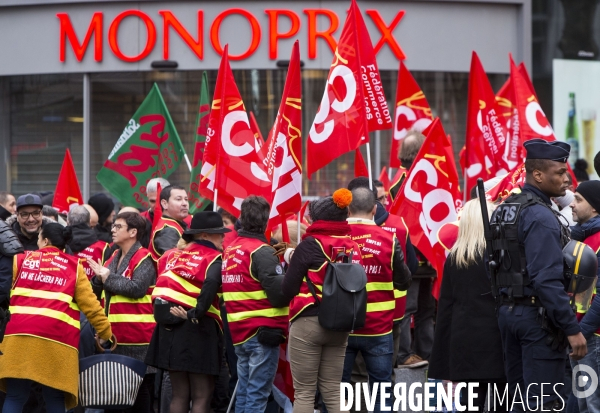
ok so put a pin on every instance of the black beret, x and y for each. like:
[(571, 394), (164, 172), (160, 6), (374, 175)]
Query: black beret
[(553, 151)]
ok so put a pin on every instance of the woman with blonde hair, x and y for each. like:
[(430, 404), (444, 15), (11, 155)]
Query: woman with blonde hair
[(467, 346)]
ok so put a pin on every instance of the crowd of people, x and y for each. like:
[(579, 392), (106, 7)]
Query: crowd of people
[(207, 301)]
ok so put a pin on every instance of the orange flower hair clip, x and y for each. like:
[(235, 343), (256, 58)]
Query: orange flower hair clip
[(342, 198)]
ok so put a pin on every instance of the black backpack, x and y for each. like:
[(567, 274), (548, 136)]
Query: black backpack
[(343, 306)]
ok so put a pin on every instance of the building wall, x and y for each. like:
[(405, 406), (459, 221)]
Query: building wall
[(41, 98)]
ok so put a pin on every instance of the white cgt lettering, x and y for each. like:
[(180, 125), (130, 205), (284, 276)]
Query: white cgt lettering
[(420, 125), (531, 112), (430, 201), (428, 223), (432, 179), (239, 150), (339, 106)]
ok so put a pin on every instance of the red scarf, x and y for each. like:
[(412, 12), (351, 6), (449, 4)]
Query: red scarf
[(322, 227)]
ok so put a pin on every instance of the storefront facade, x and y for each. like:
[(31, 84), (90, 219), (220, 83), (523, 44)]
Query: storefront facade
[(73, 73)]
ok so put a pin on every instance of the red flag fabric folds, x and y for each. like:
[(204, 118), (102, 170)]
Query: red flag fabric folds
[(283, 158), (353, 102), (67, 193), (231, 161), (412, 111), (430, 196)]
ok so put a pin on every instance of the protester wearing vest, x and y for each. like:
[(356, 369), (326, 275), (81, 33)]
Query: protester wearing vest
[(84, 243), (317, 355), (187, 340), (383, 260), (394, 225), (170, 227), (125, 285), (257, 311), (49, 289), (585, 207), (467, 345)]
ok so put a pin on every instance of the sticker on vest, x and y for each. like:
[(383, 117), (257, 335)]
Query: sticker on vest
[(507, 213)]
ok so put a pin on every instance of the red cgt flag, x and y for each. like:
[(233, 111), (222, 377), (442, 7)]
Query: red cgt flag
[(231, 163), (486, 129), (533, 122), (283, 157), (430, 196), (385, 179), (513, 150), (67, 193), (353, 102), (412, 111)]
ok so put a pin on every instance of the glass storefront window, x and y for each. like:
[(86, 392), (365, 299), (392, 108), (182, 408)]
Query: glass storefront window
[(46, 115)]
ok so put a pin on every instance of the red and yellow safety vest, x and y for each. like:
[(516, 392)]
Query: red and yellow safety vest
[(41, 301), (163, 222), (182, 283), (131, 319), (331, 246), (396, 225), (246, 302), (593, 242), (377, 249), (167, 261), (93, 252)]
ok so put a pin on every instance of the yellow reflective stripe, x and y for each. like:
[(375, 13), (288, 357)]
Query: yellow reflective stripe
[(47, 312), (380, 286), (131, 318), (213, 310), (307, 295), (50, 295), (167, 292), (579, 254), (147, 299), (268, 312), (245, 295), (381, 306), (73, 305), (188, 286), (399, 294)]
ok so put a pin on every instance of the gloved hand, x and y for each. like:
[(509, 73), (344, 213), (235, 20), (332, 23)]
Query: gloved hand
[(280, 248)]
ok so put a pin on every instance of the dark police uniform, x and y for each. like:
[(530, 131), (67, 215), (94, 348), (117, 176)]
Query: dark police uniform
[(529, 360)]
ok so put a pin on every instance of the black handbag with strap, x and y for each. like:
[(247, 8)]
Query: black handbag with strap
[(343, 306)]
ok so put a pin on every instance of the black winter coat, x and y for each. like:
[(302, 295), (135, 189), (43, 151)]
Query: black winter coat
[(467, 344)]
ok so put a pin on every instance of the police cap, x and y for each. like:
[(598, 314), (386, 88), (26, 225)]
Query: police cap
[(553, 151)]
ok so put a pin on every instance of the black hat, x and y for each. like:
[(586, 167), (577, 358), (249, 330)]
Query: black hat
[(553, 151), (590, 191), (206, 221), (29, 200), (103, 206)]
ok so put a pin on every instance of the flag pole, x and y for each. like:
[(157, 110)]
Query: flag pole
[(369, 166), (215, 201), (187, 160), (299, 223)]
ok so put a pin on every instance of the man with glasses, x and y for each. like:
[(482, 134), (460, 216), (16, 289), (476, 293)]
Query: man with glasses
[(28, 220)]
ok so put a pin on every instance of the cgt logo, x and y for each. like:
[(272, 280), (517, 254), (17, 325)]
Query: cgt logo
[(584, 376)]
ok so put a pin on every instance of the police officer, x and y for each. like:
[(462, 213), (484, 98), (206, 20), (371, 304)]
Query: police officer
[(535, 314)]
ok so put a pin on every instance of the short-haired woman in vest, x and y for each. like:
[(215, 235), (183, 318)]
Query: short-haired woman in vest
[(317, 355), (125, 286), (187, 340), (49, 289)]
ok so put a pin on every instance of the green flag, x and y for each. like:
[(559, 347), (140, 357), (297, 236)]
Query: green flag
[(149, 147), (197, 202)]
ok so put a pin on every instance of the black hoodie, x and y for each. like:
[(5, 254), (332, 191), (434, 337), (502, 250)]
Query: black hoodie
[(4, 214)]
